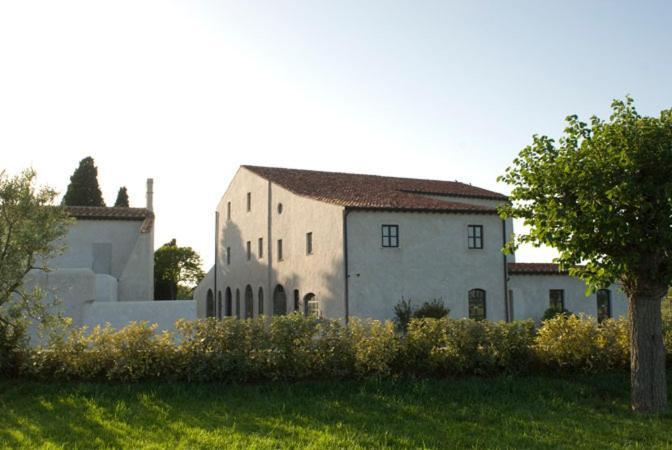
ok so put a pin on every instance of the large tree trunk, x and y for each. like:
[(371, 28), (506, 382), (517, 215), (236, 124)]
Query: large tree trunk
[(647, 354)]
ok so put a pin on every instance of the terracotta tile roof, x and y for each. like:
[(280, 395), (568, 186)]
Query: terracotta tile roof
[(104, 213), (535, 269), (378, 192)]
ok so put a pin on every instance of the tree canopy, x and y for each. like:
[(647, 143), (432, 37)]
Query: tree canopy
[(122, 198), (176, 270), (83, 189), (602, 196)]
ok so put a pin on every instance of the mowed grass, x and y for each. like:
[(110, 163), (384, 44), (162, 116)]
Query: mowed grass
[(517, 412)]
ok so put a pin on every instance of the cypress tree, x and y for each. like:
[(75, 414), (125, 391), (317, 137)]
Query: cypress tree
[(122, 198), (83, 189)]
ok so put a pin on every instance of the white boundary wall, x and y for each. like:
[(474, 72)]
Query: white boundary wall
[(120, 314)]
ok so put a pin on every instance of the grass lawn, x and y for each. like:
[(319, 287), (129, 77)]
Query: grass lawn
[(534, 412)]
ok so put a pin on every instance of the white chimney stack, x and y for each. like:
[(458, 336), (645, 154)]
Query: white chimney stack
[(150, 194)]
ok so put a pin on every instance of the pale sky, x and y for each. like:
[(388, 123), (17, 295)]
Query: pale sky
[(186, 91)]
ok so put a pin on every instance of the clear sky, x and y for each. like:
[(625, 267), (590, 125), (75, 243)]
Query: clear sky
[(185, 92)]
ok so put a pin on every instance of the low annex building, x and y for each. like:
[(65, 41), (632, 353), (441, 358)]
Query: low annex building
[(106, 271), (339, 245)]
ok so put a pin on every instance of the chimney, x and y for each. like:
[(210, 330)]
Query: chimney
[(150, 194)]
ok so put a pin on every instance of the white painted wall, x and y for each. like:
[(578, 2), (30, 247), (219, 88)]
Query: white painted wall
[(320, 273), (531, 296), (433, 261), (120, 314), (131, 254)]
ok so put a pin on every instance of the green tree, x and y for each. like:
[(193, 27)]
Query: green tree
[(602, 196), (176, 271), (30, 228), (83, 189), (122, 198)]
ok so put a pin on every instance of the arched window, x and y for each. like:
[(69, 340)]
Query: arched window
[(210, 304), (279, 301), (311, 305), (603, 305), (297, 298), (238, 303), (219, 304), (249, 302), (260, 297), (228, 302), (477, 304)]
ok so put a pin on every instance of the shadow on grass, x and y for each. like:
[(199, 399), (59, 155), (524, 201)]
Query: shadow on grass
[(529, 412)]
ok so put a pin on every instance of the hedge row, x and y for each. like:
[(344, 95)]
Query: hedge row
[(298, 348)]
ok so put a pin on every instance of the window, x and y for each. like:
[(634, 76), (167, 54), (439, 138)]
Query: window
[(279, 301), (390, 235), (237, 303), (249, 201), (219, 304), (475, 236), (603, 305), (249, 302), (228, 211), (261, 248), (311, 305), (260, 297), (556, 299), (477, 304), (210, 304), (228, 255), (228, 302), (309, 243), (279, 249), (279, 208), (249, 250), (296, 300)]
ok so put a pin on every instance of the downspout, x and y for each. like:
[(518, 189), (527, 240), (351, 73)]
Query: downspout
[(215, 297), (345, 263), (506, 274)]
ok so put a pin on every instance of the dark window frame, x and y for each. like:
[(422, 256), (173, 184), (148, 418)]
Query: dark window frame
[(601, 317), (389, 236), (228, 211), (280, 255), (480, 296), (475, 237), (249, 201), (249, 250), (261, 247), (228, 256), (309, 243), (552, 302)]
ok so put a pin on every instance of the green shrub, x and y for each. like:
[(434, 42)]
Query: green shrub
[(403, 313), (434, 309), (455, 347), (550, 313), (579, 344), (12, 349)]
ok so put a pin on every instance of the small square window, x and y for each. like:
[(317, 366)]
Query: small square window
[(249, 250), (390, 235), (475, 236), (249, 201), (309, 243), (261, 248), (279, 249)]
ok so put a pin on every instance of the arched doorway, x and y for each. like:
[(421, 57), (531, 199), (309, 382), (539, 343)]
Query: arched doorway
[(249, 302), (210, 304), (311, 305), (279, 301), (238, 303), (219, 304), (260, 299), (228, 302)]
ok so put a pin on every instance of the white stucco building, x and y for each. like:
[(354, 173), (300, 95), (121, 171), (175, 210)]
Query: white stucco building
[(342, 245), (106, 272)]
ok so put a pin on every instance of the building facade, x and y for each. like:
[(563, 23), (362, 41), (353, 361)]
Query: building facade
[(342, 245)]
